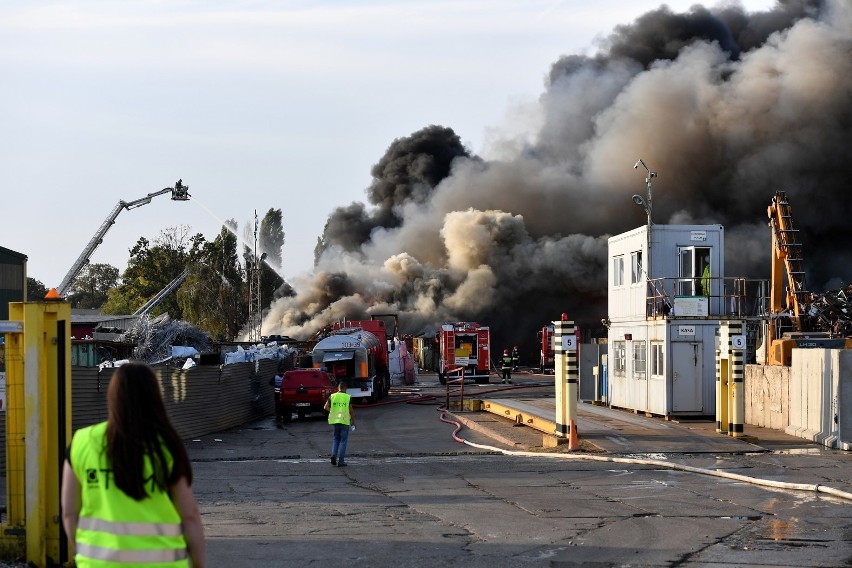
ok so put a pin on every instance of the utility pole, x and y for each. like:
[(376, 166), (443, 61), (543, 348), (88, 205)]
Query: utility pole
[(254, 305)]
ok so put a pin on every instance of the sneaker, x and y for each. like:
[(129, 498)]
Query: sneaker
[(341, 464), (333, 460)]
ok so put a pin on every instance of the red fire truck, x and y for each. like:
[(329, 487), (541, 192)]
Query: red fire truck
[(545, 339), (466, 345)]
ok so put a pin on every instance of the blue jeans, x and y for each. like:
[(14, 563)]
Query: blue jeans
[(341, 436)]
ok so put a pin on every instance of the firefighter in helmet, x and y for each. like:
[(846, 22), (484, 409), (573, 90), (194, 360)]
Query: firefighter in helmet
[(507, 367), (516, 357)]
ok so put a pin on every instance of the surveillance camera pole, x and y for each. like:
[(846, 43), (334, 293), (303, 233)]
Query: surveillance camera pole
[(651, 175), (647, 206)]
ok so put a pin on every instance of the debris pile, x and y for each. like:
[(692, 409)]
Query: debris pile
[(832, 312), (154, 338)]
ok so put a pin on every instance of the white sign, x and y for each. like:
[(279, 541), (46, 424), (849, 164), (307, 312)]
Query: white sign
[(11, 327), (686, 330), (691, 306), (699, 236), (738, 342), (569, 342)]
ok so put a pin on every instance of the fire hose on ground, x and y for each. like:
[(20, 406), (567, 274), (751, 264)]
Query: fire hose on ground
[(812, 487)]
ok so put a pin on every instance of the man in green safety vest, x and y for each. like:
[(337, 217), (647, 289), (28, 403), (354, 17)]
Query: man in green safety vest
[(341, 416)]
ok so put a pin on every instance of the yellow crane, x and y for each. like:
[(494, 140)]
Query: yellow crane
[(790, 322)]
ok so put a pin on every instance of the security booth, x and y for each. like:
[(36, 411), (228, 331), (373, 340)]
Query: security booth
[(667, 294)]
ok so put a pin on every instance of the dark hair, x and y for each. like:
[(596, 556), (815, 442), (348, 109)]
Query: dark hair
[(138, 426)]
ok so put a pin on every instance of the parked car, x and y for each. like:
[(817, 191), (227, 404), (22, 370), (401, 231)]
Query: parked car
[(302, 392)]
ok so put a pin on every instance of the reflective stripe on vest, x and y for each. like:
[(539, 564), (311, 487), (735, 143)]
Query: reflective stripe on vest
[(130, 529), (130, 556), (338, 408)]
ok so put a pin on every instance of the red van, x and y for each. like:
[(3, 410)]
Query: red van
[(302, 392)]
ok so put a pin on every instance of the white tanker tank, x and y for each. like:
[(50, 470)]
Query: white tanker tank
[(357, 356)]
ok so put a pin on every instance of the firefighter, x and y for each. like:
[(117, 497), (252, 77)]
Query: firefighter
[(507, 367), (516, 357)]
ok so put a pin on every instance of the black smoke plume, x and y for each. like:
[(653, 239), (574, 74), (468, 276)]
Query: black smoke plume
[(726, 106)]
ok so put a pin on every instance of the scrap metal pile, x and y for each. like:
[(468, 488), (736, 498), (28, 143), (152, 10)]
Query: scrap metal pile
[(154, 338), (832, 312)]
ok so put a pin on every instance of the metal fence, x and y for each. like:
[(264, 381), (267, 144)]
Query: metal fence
[(200, 400)]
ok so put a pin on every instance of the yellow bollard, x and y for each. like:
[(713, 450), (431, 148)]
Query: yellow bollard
[(722, 384)]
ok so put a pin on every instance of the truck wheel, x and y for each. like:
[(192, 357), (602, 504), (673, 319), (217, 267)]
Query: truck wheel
[(286, 415), (442, 378), (376, 392), (482, 381)]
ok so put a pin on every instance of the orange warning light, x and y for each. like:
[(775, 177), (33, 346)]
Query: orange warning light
[(52, 294)]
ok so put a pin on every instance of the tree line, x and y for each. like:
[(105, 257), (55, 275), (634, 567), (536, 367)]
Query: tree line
[(214, 296)]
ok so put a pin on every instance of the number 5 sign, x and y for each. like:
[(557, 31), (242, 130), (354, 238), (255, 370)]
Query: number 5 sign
[(738, 342), (569, 342)]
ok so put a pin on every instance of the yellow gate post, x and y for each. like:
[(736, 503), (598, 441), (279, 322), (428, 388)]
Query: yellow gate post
[(722, 385), (38, 418)]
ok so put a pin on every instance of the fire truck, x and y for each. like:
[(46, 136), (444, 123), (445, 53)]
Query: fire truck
[(466, 345), (545, 338), (357, 352)]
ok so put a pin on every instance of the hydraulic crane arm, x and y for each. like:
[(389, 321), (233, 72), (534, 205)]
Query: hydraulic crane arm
[(786, 258), (179, 192)]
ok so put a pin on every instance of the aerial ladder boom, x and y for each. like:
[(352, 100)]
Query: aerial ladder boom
[(179, 192), (162, 294)]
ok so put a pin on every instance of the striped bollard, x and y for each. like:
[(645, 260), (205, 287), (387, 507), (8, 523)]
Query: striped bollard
[(735, 341), (566, 380)]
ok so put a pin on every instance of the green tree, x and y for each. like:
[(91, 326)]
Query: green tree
[(36, 290), (152, 267), (91, 288), (271, 241), (212, 297), (321, 245)]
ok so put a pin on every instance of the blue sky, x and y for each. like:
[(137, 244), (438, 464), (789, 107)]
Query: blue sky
[(254, 104)]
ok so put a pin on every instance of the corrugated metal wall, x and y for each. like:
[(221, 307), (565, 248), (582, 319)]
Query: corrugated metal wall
[(200, 400)]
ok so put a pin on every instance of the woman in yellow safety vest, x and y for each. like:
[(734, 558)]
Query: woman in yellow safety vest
[(126, 484)]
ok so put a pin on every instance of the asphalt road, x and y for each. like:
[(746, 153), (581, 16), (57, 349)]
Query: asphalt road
[(414, 496)]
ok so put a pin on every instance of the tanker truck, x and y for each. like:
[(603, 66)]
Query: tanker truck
[(356, 352)]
